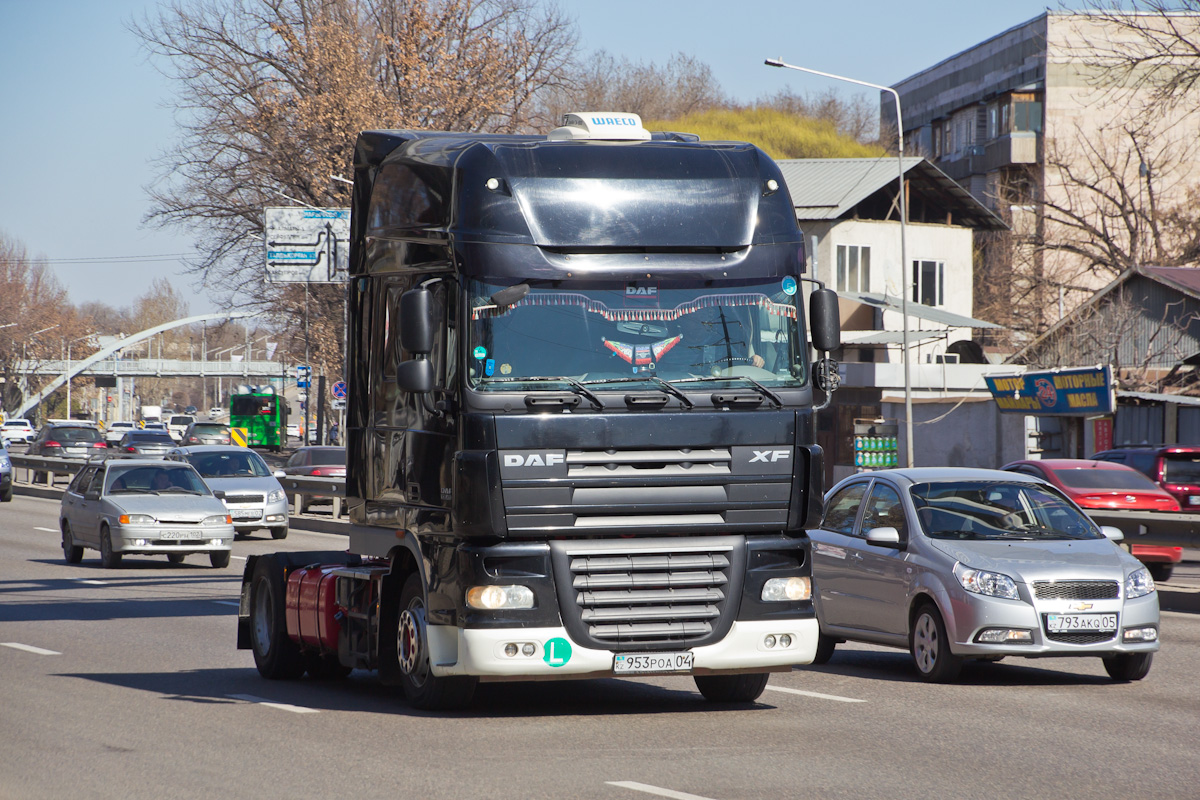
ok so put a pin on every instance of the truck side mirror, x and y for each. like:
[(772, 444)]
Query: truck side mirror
[(415, 375), (416, 321), (825, 320)]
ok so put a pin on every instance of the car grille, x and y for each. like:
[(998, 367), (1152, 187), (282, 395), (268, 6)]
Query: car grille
[(1081, 638), (243, 498), (1076, 590), (641, 597)]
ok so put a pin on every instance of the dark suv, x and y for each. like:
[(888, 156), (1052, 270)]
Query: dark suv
[(1174, 467)]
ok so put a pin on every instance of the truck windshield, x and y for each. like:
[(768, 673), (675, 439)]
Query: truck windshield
[(597, 331)]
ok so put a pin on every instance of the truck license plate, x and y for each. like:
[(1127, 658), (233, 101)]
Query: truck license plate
[(647, 663), (1066, 623)]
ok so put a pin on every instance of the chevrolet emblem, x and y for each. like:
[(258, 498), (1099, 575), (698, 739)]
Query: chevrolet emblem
[(1081, 606)]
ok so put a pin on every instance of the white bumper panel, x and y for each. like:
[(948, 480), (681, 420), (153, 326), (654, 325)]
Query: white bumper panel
[(480, 651)]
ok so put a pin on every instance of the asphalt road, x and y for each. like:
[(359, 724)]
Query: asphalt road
[(127, 683)]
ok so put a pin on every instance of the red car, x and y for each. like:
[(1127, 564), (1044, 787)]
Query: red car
[(1103, 484)]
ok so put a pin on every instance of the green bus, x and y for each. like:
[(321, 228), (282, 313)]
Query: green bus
[(263, 415)]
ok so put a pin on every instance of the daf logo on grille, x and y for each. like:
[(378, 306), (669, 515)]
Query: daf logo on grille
[(764, 456), (533, 460), (1080, 606)]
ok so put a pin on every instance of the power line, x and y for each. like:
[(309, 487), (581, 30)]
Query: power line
[(119, 259)]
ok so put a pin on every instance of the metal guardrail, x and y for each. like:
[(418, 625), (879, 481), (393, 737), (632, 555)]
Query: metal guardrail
[(1152, 527), (296, 485)]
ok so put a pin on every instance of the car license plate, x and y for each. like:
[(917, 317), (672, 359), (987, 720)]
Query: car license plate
[(246, 514), (646, 663), (1194, 500), (180, 535), (1066, 623)]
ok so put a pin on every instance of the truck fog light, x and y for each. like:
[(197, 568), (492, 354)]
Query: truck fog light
[(1140, 635), (782, 590), (528, 649), (769, 640), (785, 640), (510, 649), (1005, 636), (491, 598)]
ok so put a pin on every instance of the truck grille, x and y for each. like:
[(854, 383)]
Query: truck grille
[(1076, 590), (648, 594)]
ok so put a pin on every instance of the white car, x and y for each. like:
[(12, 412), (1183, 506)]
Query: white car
[(215, 412), (177, 424), (17, 430), (115, 430)]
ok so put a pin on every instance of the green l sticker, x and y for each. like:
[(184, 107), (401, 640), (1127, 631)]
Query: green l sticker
[(557, 652)]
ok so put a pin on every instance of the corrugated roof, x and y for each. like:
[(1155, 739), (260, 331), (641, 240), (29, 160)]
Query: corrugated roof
[(917, 310), (828, 188), (1186, 279), (890, 337)]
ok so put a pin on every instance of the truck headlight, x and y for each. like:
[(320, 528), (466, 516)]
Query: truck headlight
[(785, 590), (991, 584), (1138, 584), (491, 598)]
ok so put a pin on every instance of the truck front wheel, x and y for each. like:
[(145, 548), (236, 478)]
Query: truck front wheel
[(276, 656), (423, 689), (732, 688)]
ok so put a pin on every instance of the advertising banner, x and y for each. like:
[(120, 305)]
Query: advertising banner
[(1087, 391)]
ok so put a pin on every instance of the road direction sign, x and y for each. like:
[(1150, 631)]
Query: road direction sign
[(339, 390), (307, 245), (302, 384)]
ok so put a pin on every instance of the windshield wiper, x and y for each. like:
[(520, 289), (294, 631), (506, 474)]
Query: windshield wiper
[(575, 385), (666, 385), (774, 398)]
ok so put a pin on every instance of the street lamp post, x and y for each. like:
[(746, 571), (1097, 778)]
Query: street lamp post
[(908, 425)]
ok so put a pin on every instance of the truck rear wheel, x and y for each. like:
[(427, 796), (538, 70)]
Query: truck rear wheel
[(276, 656), (732, 688), (423, 689)]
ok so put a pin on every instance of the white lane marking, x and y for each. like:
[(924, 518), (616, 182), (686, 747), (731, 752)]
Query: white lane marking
[(93, 582), (234, 603), (239, 558), (249, 698), (28, 648), (658, 790), (817, 695), (47, 530)]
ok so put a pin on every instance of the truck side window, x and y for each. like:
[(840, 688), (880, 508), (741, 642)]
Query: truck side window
[(843, 509)]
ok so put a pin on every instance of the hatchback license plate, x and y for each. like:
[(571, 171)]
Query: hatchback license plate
[(1066, 623), (646, 663), (180, 535)]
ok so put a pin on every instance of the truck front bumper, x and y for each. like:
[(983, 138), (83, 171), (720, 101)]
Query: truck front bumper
[(481, 651)]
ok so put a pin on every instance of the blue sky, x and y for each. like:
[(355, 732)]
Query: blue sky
[(84, 112)]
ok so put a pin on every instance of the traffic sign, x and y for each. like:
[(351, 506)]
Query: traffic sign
[(339, 390), (302, 384), (338, 404), (303, 372), (239, 436)]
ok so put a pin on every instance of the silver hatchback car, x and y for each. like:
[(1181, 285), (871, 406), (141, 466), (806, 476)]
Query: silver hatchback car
[(966, 563)]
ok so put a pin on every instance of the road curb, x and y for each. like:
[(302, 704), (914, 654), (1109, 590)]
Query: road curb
[(318, 525), (1179, 599)]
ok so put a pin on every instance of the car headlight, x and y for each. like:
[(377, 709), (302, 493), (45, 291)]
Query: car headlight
[(135, 519), (276, 496), (4, 462), (1138, 584), (218, 519), (991, 584)]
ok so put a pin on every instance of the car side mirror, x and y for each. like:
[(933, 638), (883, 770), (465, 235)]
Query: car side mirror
[(279, 473), (886, 536), (1112, 534)]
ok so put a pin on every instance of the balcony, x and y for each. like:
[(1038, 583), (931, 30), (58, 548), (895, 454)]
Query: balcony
[(1021, 147)]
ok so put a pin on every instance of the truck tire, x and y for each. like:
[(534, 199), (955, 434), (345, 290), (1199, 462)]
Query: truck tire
[(410, 645), (72, 553), (108, 559), (732, 688), (276, 656)]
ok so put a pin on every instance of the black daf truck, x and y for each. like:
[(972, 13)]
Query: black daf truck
[(580, 426)]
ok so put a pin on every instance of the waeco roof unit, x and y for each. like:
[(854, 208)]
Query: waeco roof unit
[(612, 126)]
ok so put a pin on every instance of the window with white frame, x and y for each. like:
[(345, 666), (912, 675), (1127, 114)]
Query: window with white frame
[(928, 282), (853, 268)]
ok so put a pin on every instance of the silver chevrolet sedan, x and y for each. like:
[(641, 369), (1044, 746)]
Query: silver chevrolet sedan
[(120, 506), (244, 482), (968, 563)]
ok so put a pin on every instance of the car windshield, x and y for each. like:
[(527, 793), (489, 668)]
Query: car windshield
[(231, 464), (998, 510), (181, 420), (146, 437), (1113, 479), (153, 479), (335, 455), (595, 331), (1181, 468), (75, 435)]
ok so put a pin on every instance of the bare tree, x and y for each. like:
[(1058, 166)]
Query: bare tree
[(856, 117), (271, 94)]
